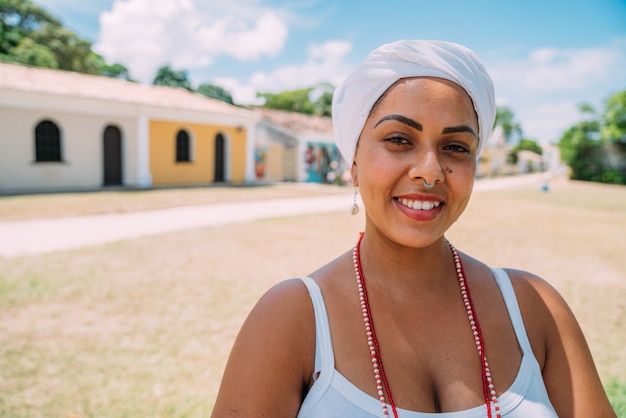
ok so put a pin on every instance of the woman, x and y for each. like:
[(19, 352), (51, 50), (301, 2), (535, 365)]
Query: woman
[(411, 121)]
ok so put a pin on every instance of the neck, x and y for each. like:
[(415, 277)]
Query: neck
[(406, 270)]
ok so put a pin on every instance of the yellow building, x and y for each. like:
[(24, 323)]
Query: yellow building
[(65, 131)]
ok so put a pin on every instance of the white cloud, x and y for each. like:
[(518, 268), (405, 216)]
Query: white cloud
[(325, 63), (552, 69), (547, 122), (545, 87), (145, 34)]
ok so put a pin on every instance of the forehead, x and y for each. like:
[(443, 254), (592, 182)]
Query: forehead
[(417, 92)]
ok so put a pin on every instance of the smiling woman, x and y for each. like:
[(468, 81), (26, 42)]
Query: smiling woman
[(411, 121)]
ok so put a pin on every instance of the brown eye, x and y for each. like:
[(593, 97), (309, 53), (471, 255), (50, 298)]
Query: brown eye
[(397, 140), (457, 148)]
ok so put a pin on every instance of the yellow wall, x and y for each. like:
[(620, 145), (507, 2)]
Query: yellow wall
[(200, 170)]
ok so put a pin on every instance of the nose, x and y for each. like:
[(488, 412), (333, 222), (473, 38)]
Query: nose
[(426, 168)]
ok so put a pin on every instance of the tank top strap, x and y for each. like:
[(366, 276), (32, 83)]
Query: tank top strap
[(324, 357), (510, 300)]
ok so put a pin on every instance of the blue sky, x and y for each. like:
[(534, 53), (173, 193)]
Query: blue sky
[(546, 57)]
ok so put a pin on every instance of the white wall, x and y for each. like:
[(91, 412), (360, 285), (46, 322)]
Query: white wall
[(81, 148)]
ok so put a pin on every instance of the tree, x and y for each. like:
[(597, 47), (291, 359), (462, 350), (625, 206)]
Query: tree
[(529, 145), (30, 35), (292, 101), (166, 76), (322, 98), (116, 71), (30, 53), (312, 101), (215, 92), (614, 120), (581, 150), (526, 145), (594, 148), (506, 118), (19, 18), (71, 52)]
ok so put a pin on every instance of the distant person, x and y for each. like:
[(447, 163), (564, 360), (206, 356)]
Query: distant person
[(390, 328)]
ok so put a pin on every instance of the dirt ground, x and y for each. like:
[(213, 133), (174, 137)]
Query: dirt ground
[(143, 327)]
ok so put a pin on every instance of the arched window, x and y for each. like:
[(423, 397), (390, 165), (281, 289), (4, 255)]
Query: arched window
[(183, 147), (47, 142)]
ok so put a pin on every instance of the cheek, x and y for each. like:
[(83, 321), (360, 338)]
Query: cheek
[(374, 166)]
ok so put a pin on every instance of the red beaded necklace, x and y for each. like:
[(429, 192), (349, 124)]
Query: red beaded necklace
[(382, 386)]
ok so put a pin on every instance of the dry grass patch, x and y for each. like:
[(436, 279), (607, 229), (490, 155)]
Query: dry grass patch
[(143, 327)]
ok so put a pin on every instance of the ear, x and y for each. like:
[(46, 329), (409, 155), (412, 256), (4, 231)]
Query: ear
[(353, 174)]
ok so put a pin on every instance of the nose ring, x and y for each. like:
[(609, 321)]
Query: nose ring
[(429, 185)]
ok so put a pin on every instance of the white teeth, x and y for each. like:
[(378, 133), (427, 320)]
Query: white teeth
[(419, 205)]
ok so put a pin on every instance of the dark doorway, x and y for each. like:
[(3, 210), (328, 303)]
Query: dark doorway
[(112, 156), (219, 158)]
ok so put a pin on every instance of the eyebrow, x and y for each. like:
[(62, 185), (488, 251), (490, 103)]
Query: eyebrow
[(402, 119), (460, 128), (416, 125)]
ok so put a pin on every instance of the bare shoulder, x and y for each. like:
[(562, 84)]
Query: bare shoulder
[(527, 284), (283, 314), (289, 296), (535, 293), (273, 356), (558, 342)]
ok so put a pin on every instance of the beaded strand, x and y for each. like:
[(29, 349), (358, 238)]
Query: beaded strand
[(488, 388), (382, 386)]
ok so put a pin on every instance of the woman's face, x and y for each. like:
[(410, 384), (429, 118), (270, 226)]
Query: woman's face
[(422, 129)]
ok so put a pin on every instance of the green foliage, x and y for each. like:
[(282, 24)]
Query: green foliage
[(323, 105), (322, 98), (215, 92), (595, 149), (301, 100), (614, 120), (166, 76), (23, 25), (505, 117), (116, 71), (31, 53), (19, 18), (71, 52), (529, 145), (582, 151), (524, 144), (292, 101), (30, 35)]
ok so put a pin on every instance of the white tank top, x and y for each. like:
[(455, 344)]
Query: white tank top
[(332, 395)]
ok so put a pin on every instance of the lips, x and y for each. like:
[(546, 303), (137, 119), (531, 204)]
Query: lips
[(419, 204), (419, 208)]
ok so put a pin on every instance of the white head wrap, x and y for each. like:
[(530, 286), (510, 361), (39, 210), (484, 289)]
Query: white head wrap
[(354, 98)]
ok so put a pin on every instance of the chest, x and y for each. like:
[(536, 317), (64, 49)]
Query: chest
[(428, 351)]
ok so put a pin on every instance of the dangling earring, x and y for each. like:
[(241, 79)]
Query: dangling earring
[(355, 207)]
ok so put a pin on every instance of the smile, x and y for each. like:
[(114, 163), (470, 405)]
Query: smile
[(419, 204)]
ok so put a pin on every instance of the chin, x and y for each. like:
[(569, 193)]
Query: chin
[(415, 239)]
